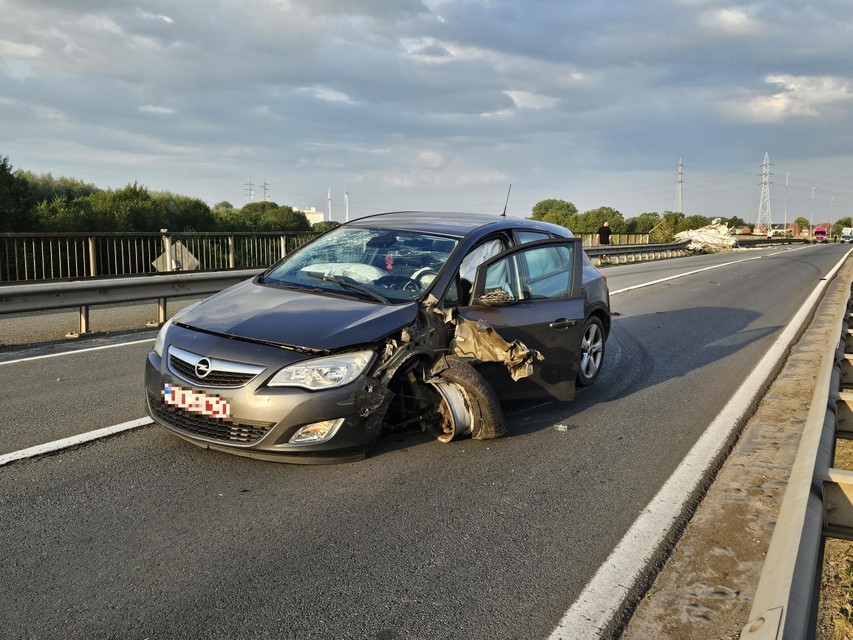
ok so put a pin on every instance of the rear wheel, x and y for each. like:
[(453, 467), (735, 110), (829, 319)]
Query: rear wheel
[(592, 351)]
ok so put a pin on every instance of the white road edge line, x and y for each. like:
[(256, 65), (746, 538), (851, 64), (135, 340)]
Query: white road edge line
[(76, 351), (605, 593), (56, 445)]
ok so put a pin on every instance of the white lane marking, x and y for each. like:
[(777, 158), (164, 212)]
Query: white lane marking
[(57, 445), (611, 585), (76, 351), (690, 273), (681, 275), (784, 251)]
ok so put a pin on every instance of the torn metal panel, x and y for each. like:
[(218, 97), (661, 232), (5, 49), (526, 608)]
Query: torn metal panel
[(479, 341), (467, 405), (372, 400)]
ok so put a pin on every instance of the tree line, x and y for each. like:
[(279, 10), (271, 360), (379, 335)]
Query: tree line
[(42, 203), (33, 203), (661, 227)]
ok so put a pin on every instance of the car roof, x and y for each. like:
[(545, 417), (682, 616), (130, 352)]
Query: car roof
[(450, 223)]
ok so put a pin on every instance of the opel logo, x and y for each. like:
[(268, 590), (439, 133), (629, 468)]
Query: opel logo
[(202, 367)]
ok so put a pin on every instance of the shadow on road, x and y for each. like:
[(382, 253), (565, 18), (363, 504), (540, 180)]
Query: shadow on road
[(642, 351)]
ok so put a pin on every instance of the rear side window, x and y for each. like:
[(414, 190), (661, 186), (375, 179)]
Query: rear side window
[(524, 237)]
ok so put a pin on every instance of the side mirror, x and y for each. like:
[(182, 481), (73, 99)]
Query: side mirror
[(497, 298)]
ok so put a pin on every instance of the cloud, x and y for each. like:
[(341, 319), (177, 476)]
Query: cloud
[(100, 23), (731, 20), (530, 100), (149, 108), (809, 97), (431, 159), (151, 16), (19, 50), (326, 94), (401, 96)]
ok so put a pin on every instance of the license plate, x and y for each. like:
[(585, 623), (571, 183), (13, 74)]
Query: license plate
[(196, 402)]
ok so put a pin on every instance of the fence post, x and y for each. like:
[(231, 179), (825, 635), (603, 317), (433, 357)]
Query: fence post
[(93, 264), (232, 262), (283, 242), (162, 311)]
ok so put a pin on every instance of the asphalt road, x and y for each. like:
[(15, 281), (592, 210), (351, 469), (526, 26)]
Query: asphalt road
[(144, 536)]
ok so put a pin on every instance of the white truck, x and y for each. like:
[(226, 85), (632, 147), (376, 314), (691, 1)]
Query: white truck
[(847, 234)]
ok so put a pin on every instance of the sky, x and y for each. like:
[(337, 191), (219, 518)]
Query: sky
[(439, 104)]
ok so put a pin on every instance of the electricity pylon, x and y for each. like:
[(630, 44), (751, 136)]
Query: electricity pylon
[(764, 220), (679, 203)]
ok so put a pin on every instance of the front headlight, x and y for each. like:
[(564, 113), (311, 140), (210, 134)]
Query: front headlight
[(323, 373)]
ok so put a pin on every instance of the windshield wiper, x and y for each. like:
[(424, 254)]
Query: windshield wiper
[(351, 285)]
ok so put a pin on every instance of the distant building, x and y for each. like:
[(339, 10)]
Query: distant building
[(312, 214)]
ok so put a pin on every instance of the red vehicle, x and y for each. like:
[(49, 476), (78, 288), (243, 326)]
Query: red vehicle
[(820, 234)]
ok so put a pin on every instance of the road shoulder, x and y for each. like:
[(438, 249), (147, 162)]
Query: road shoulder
[(706, 587)]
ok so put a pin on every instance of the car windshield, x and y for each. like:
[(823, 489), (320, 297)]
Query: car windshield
[(373, 264)]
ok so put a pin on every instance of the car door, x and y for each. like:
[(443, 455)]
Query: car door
[(532, 293)]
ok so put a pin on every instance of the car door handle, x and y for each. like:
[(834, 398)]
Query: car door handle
[(562, 324)]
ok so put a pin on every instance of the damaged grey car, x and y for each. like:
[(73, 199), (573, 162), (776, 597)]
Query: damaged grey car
[(392, 322)]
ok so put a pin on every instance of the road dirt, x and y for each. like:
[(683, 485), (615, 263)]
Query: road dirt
[(705, 589)]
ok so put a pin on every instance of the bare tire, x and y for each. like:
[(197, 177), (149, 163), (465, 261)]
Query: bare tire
[(592, 351), (486, 416)]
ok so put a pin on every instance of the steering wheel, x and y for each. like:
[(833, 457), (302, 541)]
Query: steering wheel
[(424, 273), (402, 283)]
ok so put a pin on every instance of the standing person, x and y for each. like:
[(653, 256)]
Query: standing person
[(604, 233)]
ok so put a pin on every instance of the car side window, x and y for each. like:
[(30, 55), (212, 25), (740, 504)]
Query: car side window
[(503, 281), (540, 273), (459, 291)]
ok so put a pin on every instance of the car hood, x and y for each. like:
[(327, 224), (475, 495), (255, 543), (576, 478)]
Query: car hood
[(296, 318)]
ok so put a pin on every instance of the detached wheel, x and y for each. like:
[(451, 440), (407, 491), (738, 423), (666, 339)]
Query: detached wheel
[(468, 400), (592, 351)]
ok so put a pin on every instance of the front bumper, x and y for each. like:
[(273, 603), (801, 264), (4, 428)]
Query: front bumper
[(264, 419)]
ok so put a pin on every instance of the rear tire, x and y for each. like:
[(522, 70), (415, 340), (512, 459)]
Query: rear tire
[(592, 351)]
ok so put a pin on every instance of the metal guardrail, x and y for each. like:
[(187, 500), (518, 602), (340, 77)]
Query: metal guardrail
[(818, 503), (621, 254), (636, 252), (25, 298), (591, 239), (27, 257), (45, 296)]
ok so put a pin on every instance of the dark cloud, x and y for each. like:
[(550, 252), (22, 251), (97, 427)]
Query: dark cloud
[(429, 103)]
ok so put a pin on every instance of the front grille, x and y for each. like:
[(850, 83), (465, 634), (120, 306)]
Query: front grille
[(238, 432), (220, 373), (213, 379)]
